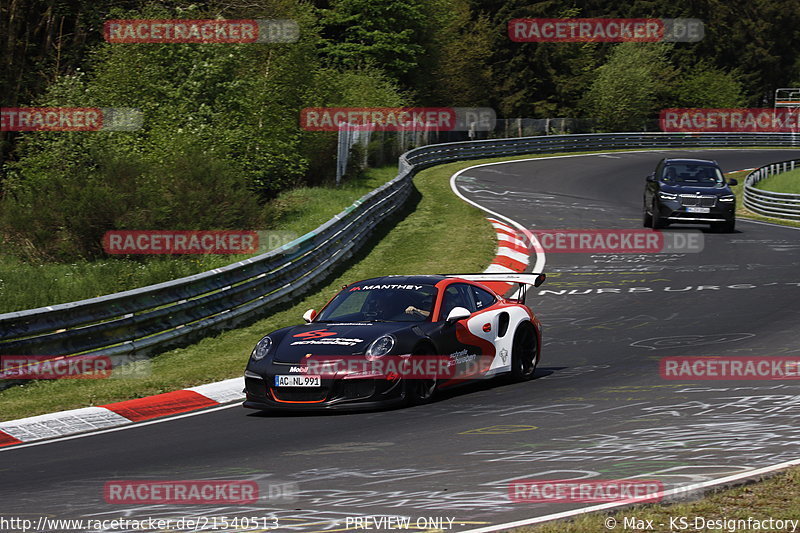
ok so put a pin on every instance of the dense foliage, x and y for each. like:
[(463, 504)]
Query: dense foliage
[(221, 134)]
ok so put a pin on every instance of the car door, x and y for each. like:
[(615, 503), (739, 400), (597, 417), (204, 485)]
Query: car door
[(457, 341)]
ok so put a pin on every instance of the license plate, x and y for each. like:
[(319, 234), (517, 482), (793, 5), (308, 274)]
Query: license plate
[(297, 381), (698, 209)]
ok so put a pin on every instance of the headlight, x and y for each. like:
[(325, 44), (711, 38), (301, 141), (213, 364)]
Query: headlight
[(728, 198), (261, 349), (667, 196), (381, 346)]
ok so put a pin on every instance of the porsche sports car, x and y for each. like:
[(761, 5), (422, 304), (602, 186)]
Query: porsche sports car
[(383, 330)]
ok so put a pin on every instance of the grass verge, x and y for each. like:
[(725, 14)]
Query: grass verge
[(440, 234), (26, 285), (777, 497), (784, 182), (742, 212)]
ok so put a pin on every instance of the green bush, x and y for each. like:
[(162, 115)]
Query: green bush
[(220, 138), (706, 86), (65, 217), (630, 86)]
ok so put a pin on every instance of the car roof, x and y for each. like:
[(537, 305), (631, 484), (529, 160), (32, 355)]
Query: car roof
[(404, 280), (691, 161)]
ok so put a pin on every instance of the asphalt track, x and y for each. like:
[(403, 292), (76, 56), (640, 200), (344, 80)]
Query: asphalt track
[(598, 408)]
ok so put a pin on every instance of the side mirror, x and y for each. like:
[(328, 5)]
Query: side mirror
[(539, 280), (733, 181), (457, 314), (651, 177), (310, 315)]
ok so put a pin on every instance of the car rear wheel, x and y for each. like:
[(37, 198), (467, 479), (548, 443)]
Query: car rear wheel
[(525, 353), (420, 391)]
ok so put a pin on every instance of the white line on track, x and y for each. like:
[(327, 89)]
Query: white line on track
[(612, 505), (540, 256), (763, 223)]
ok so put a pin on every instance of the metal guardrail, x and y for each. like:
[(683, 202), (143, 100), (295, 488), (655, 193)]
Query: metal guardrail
[(781, 205), (176, 313)]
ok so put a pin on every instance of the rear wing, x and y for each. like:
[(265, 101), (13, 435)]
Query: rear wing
[(522, 279)]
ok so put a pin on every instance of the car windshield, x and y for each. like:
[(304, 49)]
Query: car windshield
[(386, 302), (694, 175)]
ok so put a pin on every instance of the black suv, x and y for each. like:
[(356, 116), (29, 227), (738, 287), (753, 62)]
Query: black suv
[(691, 191)]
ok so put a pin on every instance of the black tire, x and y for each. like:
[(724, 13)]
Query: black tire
[(727, 227), (524, 353), (656, 221), (420, 391), (647, 218)]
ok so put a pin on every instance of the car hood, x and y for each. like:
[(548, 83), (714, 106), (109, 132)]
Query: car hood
[(332, 338), (688, 189)]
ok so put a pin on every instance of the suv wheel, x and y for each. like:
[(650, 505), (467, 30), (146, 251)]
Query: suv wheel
[(657, 221), (726, 227)]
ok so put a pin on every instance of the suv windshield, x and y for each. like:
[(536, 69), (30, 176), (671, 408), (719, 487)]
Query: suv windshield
[(381, 302), (695, 175)]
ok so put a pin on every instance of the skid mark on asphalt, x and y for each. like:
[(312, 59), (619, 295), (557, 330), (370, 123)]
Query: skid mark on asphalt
[(684, 341)]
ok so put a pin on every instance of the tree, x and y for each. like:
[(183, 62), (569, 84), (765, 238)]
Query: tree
[(378, 33), (537, 79), (461, 75), (220, 133), (707, 86), (630, 86)]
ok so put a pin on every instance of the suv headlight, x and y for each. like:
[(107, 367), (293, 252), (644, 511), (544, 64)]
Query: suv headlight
[(262, 349), (380, 346), (728, 198), (667, 196)]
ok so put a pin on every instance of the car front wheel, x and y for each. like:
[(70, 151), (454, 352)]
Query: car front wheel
[(726, 227), (657, 222), (420, 391)]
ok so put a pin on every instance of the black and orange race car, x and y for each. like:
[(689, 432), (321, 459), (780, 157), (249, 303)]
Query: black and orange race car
[(397, 339)]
